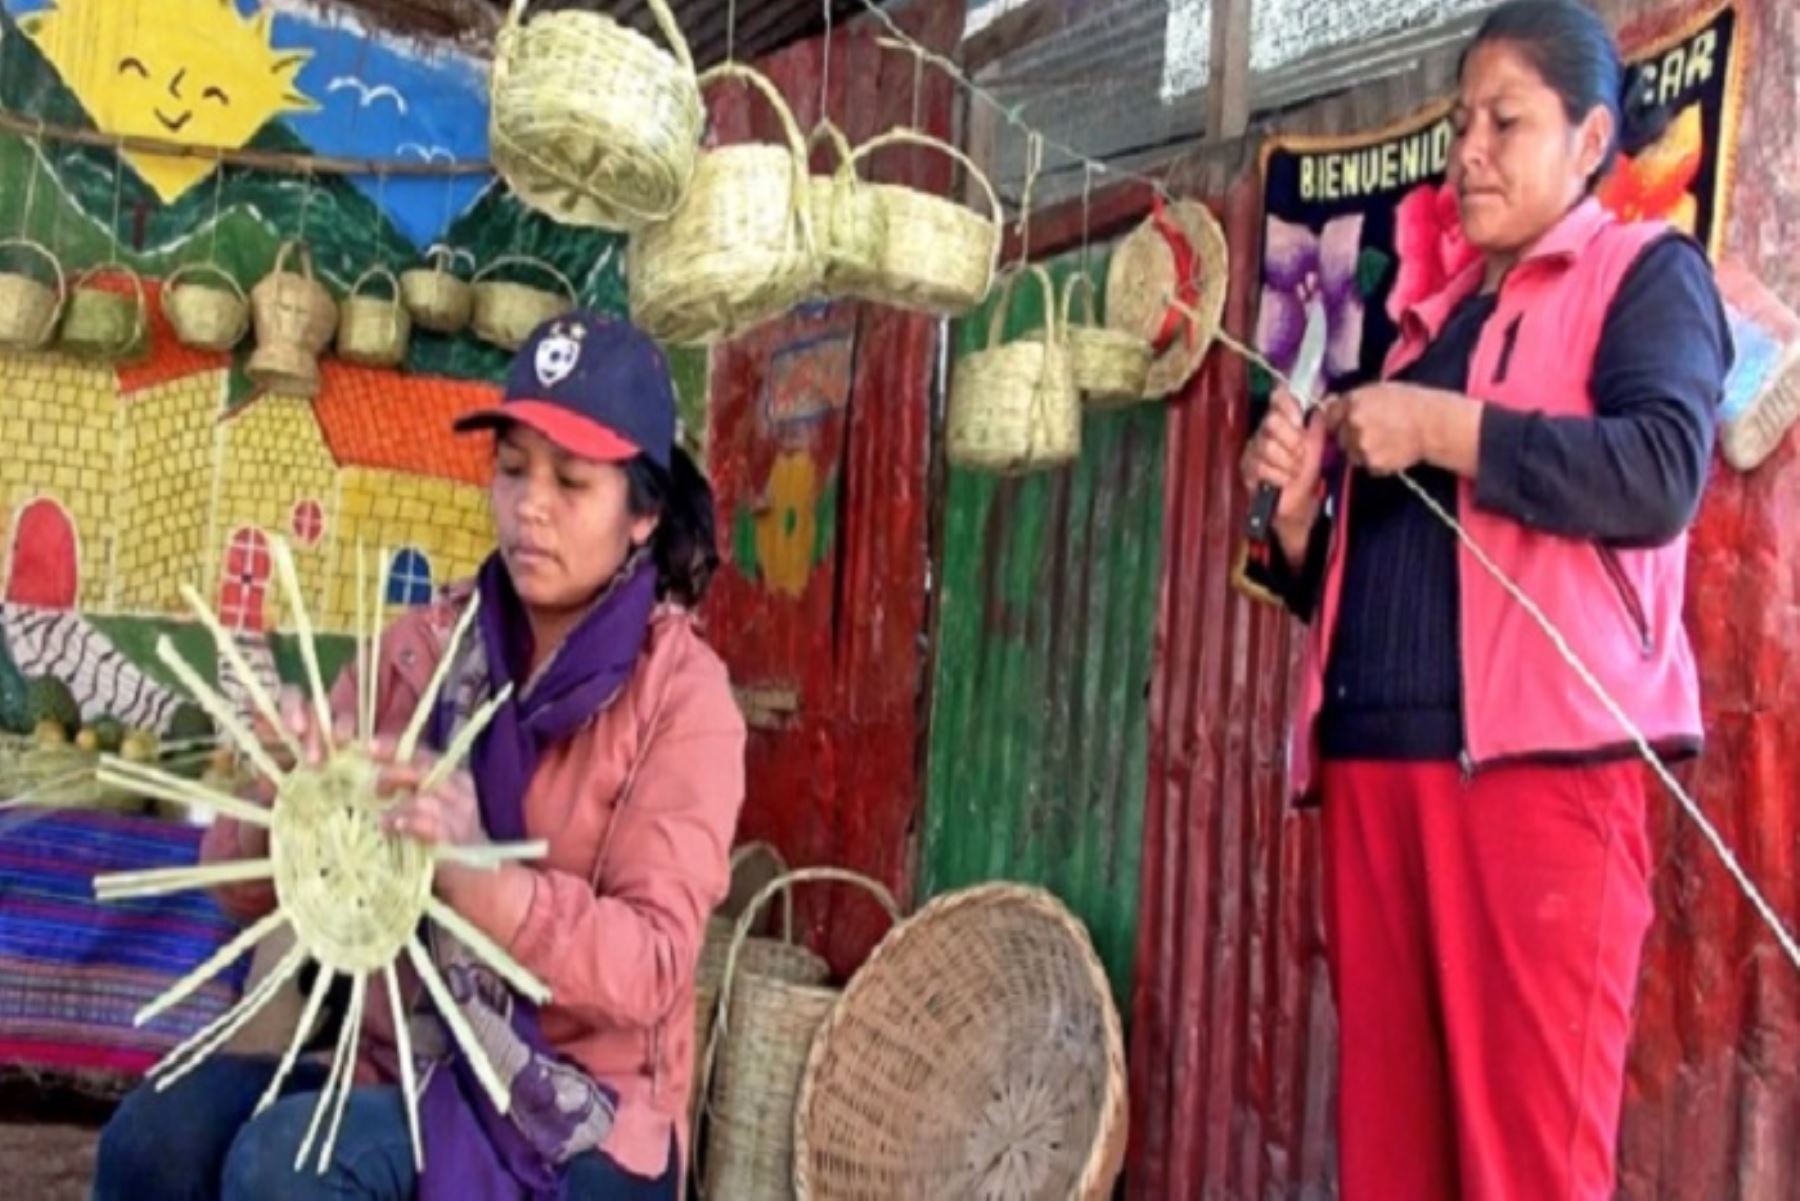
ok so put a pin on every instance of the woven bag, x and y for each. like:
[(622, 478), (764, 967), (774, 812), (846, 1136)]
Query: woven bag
[(374, 331), (295, 319), (591, 122), (977, 1054), (436, 298), (740, 249), (206, 316), (1110, 366), (103, 325), (506, 312), (1014, 407)]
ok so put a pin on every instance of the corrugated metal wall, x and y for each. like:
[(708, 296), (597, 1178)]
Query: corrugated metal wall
[(1037, 751)]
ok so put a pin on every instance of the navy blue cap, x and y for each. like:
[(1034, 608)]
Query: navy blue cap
[(596, 386)]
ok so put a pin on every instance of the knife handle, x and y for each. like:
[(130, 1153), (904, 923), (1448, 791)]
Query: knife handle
[(1262, 513)]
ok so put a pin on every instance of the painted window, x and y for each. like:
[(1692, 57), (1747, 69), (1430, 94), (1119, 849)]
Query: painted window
[(244, 587), (409, 578), (309, 522)]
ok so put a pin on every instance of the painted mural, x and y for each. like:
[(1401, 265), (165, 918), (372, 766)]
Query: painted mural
[(123, 483)]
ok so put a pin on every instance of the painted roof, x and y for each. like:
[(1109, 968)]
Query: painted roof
[(393, 421), (169, 359)]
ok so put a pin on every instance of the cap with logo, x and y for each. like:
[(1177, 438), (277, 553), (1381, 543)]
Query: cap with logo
[(595, 386)]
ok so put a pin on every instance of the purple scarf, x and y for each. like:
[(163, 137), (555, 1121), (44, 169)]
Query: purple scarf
[(472, 1151)]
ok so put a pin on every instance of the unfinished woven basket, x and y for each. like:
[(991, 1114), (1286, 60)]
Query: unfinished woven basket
[(759, 1046), (295, 318), (1014, 407), (374, 330), (506, 312), (1110, 366), (591, 122), (207, 316), (740, 249), (848, 234), (977, 1054), (436, 298), (30, 307), (103, 325), (936, 255)]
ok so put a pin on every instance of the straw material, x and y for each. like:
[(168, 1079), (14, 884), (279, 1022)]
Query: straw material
[(1142, 278), (848, 233), (977, 1054), (436, 298), (739, 251), (295, 319), (204, 316), (505, 312), (936, 256), (29, 308), (1014, 407), (591, 122), (1110, 366), (374, 330), (759, 1045), (105, 326)]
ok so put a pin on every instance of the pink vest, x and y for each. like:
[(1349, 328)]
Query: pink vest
[(1619, 609)]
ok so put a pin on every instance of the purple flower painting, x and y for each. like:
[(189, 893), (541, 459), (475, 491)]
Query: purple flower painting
[(1299, 265)]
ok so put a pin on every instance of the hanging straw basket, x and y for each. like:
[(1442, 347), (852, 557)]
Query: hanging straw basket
[(506, 312), (1014, 407), (740, 249), (1110, 366), (374, 330), (936, 255), (591, 122), (759, 1045), (29, 307), (436, 298), (991, 1004), (847, 233), (295, 319), (102, 325), (205, 316)]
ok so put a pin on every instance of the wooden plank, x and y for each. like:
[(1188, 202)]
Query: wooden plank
[(1228, 89)]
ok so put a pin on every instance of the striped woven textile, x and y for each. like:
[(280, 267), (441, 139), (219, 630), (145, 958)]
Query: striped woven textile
[(73, 971)]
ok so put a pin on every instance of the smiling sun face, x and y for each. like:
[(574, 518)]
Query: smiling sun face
[(191, 71)]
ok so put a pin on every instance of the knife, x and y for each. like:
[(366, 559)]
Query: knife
[(1302, 383)]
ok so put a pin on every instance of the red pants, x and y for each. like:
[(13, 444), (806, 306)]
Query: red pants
[(1484, 939)]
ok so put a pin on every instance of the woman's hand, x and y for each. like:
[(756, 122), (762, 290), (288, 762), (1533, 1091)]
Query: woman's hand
[(1289, 453), (1387, 428), (448, 815)]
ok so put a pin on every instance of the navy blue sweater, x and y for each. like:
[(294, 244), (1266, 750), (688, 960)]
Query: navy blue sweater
[(1631, 475)]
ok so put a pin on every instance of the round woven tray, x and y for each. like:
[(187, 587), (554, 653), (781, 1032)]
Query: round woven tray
[(977, 1054), (1142, 276)]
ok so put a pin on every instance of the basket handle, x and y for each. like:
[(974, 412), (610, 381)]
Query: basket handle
[(997, 319), (746, 921), (139, 311), (378, 271), (906, 135), (801, 211), (442, 257), (827, 131), (56, 269), (1078, 281), (665, 21), (289, 247), (741, 856), (526, 260)]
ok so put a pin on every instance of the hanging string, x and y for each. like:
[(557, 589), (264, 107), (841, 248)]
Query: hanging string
[(306, 203), (919, 55), (212, 250), (731, 31), (36, 149), (118, 196), (1087, 195), (825, 67), (380, 217), (1034, 163)]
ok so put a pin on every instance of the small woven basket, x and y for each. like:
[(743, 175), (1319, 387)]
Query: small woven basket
[(505, 312), (936, 256), (977, 1054), (103, 325), (374, 331), (30, 307), (759, 1046), (740, 250), (590, 121), (295, 319), (205, 316), (436, 298), (1014, 407), (847, 233), (1110, 366)]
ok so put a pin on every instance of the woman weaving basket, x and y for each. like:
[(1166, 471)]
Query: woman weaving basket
[(1486, 857), (621, 746)]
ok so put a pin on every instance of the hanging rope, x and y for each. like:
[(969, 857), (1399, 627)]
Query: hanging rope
[(825, 67), (1087, 195), (212, 250), (731, 31), (118, 198), (1034, 163), (36, 150)]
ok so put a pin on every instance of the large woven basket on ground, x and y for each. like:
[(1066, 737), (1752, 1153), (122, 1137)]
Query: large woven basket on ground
[(211, 315), (591, 122), (1014, 407), (29, 305), (374, 330), (436, 298), (977, 1054), (1110, 366), (506, 311), (936, 255), (739, 251), (755, 1057), (102, 324), (295, 318)]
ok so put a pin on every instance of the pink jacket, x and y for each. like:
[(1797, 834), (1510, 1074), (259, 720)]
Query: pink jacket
[(1620, 609), (639, 808)]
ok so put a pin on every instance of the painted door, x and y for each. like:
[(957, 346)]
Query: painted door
[(244, 586), (43, 570)]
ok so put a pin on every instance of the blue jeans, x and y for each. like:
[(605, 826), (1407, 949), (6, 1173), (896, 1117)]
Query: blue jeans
[(197, 1142)]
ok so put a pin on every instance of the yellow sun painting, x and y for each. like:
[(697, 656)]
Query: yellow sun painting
[(191, 71)]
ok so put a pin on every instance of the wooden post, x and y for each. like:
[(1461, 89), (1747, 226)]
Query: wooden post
[(1228, 85)]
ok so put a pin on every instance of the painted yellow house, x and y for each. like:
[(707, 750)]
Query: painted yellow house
[(119, 485)]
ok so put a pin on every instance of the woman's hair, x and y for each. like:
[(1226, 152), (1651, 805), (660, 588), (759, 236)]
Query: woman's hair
[(1568, 44), (684, 546)]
